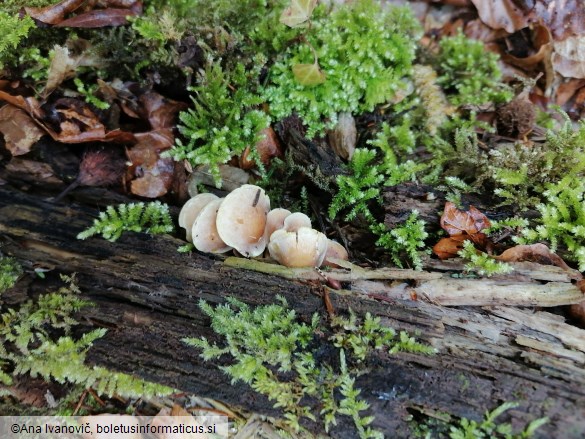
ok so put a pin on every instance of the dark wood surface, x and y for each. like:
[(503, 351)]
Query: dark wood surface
[(147, 294)]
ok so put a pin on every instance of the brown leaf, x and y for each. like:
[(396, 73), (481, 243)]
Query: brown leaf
[(456, 222), (449, 247), (160, 111), (268, 148), (99, 18), (502, 14), (19, 130), (55, 13), (538, 253), (151, 175), (568, 58)]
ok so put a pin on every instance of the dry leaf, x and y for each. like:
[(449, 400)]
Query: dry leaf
[(99, 18), (568, 58), (54, 14), (308, 74), (455, 221), (343, 137), (267, 148), (151, 175), (19, 130), (502, 14), (298, 12), (159, 111), (538, 253), (449, 247)]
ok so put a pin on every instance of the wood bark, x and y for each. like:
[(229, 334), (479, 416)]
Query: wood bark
[(147, 295)]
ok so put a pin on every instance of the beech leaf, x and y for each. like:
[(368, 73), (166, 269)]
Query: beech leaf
[(19, 129), (456, 222), (449, 247), (298, 12), (538, 253), (308, 74)]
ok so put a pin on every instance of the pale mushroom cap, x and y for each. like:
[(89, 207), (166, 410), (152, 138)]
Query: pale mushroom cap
[(303, 248), (191, 209), (295, 221), (204, 232), (274, 221), (334, 250), (241, 219)]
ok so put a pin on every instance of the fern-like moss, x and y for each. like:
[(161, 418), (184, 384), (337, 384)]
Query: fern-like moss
[(153, 218), (13, 29), (223, 120), (481, 262), (273, 353), (28, 347), (10, 271)]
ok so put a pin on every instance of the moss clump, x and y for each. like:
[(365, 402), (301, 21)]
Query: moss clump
[(10, 271), (27, 346), (273, 352), (471, 72), (150, 217), (365, 52), (223, 121), (562, 220), (13, 29)]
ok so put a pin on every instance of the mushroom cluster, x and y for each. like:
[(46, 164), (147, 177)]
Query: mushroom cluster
[(243, 221)]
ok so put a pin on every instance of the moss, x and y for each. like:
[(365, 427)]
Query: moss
[(481, 263), (364, 50), (150, 217), (10, 271), (275, 354), (470, 72), (28, 346), (223, 121), (13, 30)]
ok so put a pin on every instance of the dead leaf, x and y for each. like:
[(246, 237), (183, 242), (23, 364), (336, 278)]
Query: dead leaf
[(308, 74), (449, 247), (267, 148), (502, 14), (568, 58), (99, 18), (455, 221), (160, 111), (298, 12), (19, 130), (151, 175), (54, 14), (538, 253)]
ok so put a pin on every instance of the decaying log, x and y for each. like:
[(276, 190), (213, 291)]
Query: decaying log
[(147, 295)]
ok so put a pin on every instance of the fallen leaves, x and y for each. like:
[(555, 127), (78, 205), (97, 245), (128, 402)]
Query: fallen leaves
[(19, 129), (298, 12), (461, 226)]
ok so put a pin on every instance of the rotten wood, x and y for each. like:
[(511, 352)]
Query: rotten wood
[(147, 295)]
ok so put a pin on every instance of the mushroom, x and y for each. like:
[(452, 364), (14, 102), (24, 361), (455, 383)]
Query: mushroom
[(295, 221), (204, 232), (304, 247), (334, 251), (274, 221), (191, 209), (241, 220)]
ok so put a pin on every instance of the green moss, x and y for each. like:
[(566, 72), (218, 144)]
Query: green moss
[(13, 29), (223, 120), (275, 354), (153, 218), (365, 52), (28, 347), (481, 263), (471, 72), (10, 271), (562, 220)]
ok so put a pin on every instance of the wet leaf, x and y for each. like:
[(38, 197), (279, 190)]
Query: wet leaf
[(267, 148), (449, 247), (308, 74), (538, 253), (151, 175), (159, 111), (19, 130), (456, 222), (55, 13), (298, 12), (99, 18)]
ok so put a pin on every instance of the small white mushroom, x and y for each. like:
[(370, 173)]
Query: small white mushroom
[(191, 209), (295, 221), (302, 248), (334, 251), (274, 221), (241, 220), (204, 232)]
